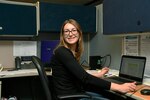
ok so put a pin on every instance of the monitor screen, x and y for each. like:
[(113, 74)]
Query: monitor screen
[(133, 66)]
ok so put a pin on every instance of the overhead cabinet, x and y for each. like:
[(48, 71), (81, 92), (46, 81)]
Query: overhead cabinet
[(126, 16), (53, 15), (17, 19)]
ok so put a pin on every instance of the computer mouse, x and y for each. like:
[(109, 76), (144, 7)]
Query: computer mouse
[(145, 91)]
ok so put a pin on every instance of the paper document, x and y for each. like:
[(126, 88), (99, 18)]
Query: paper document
[(24, 48), (131, 46), (145, 51)]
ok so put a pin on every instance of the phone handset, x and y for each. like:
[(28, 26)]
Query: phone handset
[(17, 62)]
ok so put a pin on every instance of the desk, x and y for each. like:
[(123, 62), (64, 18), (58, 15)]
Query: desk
[(11, 75), (135, 95), (20, 73)]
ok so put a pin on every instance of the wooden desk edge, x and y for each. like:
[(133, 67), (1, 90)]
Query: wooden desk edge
[(138, 95)]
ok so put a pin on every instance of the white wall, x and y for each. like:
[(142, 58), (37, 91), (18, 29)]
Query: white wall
[(104, 44)]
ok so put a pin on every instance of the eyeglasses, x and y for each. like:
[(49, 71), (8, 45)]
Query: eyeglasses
[(73, 31), (67, 32)]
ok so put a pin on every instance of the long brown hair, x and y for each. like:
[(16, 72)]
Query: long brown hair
[(79, 47)]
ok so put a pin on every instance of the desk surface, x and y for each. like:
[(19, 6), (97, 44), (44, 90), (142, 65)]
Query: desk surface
[(137, 95), (20, 73)]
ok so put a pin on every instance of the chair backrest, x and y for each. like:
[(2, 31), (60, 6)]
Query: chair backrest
[(43, 77)]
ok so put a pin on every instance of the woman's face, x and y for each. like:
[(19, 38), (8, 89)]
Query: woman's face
[(70, 34)]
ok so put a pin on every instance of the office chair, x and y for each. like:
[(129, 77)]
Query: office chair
[(46, 84)]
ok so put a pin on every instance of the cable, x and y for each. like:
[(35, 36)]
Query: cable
[(85, 66), (84, 61), (104, 58)]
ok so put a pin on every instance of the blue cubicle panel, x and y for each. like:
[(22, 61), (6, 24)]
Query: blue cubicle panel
[(126, 16), (47, 48), (17, 19), (53, 15)]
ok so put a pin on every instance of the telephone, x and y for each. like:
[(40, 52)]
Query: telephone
[(17, 62), (23, 62)]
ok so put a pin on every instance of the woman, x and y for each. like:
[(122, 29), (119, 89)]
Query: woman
[(68, 76)]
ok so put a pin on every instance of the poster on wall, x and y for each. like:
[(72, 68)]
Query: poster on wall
[(131, 45), (145, 51), (24, 48)]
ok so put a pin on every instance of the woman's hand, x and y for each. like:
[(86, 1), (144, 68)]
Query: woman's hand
[(124, 88), (104, 71), (101, 73)]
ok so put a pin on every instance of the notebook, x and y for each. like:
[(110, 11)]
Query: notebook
[(131, 69)]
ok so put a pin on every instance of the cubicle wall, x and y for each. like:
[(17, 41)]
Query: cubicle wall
[(6, 54)]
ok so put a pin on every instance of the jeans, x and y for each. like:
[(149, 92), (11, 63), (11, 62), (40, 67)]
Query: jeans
[(95, 96)]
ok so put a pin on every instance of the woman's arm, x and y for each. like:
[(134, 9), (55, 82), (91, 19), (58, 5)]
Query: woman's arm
[(123, 88)]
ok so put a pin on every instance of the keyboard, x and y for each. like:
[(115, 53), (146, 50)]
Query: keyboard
[(123, 80), (120, 80)]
